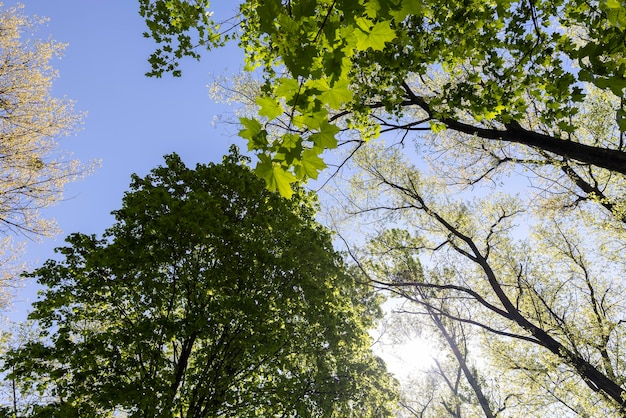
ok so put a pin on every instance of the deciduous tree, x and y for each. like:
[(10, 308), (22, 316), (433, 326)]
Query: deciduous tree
[(32, 171), (547, 306), (455, 385), (496, 95), (210, 296), (512, 72)]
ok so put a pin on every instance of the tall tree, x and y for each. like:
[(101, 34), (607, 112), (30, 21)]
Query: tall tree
[(461, 382), (487, 89), (210, 296), (32, 173), (547, 306)]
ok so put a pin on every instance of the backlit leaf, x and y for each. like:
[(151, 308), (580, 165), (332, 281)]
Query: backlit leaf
[(275, 176), (337, 95), (269, 107), (376, 37), (325, 138), (310, 165), (287, 88)]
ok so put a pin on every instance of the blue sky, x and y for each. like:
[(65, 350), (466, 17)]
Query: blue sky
[(132, 120)]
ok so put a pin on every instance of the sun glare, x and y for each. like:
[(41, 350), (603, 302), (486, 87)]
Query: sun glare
[(409, 358)]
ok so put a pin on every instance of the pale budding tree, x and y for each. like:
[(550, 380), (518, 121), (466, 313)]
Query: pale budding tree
[(544, 301), (443, 366), (32, 170)]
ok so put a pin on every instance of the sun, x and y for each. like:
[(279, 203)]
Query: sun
[(406, 345), (409, 357)]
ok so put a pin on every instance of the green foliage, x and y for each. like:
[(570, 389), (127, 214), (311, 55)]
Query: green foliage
[(210, 296), (498, 59), (275, 176), (533, 88), (533, 288), (179, 27)]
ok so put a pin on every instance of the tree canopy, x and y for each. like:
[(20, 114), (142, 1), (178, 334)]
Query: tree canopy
[(32, 171), (525, 295), (210, 296), (518, 112), (502, 71)]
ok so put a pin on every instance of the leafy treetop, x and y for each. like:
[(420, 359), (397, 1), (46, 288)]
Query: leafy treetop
[(210, 296)]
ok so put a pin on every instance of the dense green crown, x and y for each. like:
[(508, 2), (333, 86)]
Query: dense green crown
[(209, 297)]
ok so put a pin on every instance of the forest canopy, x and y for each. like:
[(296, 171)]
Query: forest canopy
[(502, 71)]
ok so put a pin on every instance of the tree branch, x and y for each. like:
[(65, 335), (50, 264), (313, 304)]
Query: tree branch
[(610, 159)]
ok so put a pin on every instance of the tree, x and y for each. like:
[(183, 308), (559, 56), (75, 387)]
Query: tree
[(210, 296), (32, 173), (546, 307), (14, 336), (391, 258), (455, 384)]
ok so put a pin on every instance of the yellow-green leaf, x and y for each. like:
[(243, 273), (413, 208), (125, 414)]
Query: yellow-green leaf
[(287, 88), (325, 138), (251, 128), (275, 176), (310, 165), (269, 107), (437, 127), (374, 38), (337, 94)]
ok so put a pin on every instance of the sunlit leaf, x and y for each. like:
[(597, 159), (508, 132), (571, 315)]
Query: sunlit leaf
[(375, 37), (337, 94), (326, 137), (269, 107), (275, 176), (310, 165)]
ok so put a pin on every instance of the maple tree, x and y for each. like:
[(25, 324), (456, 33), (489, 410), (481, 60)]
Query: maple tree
[(366, 66)]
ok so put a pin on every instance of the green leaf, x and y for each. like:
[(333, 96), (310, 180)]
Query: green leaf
[(252, 128), (325, 138), (310, 165), (290, 141), (311, 120), (337, 94), (287, 88), (616, 84), (254, 133), (408, 8), (614, 4), (371, 8), (617, 17), (437, 127), (275, 176), (269, 107), (374, 38), (267, 11)]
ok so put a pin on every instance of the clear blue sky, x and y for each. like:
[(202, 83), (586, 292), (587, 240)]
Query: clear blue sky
[(132, 120)]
